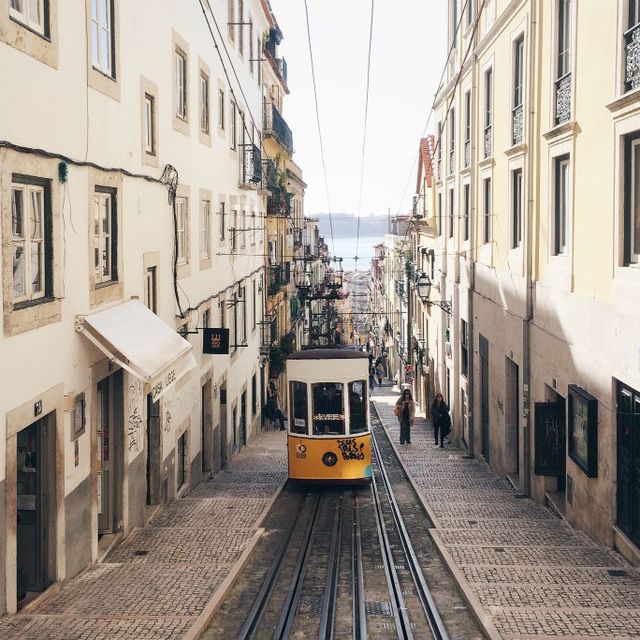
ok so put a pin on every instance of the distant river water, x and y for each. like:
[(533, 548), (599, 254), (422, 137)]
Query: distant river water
[(345, 248)]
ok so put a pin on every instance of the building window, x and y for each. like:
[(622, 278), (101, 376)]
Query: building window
[(221, 110), (148, 120), (242, 302), (516, 208), (181, 84), (454, 22), (222, 222), (30, 13), (254, 395), (452, 141), (204, 103), (253, 228), (254, 304), (467, 128), (234, 126), (182, 230), (231, 18), (205, 229), (251, 54), (181, 462), (561, 209), (240, 27), (259, 59), (632, 47), (102, 36), (31, 240), (563, 65), (104, 236), (464, 348), (469, 12), (234, 229), (439, 213), (518, 92), (206, 319), (488, 113), (486, 210), (467, 210), (631, 230), (151, 290), (451, 212), (439, 153)]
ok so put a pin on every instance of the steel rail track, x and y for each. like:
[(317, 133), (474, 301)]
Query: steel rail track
[(359, 617), (255, 614), (424, 594)]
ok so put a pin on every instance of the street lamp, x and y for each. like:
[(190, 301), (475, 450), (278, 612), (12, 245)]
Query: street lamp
[(423, 286)]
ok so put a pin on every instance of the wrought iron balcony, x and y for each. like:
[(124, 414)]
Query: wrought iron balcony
[(563, 98), (632, 66), (297, 237), (517, 125), (270, 175), (252, 165), (400, 288), (279, 202), (268, 333), (467, 153), (275, 279), (282, 65), (276, 126), (452, 161), (488, 141)]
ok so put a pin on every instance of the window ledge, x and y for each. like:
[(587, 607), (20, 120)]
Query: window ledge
[(517, 150), (465, 171), (487, 162), (629, 99), (564, 130)]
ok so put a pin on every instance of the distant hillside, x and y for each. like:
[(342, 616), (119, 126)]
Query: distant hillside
[(345, 226)]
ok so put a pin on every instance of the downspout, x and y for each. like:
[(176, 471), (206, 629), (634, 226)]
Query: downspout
[(526, 341)]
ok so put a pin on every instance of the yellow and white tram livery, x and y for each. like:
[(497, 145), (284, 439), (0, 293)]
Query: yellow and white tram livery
[(329, 437)]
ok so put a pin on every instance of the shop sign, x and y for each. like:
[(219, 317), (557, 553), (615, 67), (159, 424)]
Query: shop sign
[(215, 341)]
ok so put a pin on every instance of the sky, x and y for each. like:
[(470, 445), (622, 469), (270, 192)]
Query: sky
[(408, 52)]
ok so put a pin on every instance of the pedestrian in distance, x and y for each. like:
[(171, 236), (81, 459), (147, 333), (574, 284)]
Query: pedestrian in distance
[(272, 410), (405, 411), (379, 373), (371, 377), (441, 419)]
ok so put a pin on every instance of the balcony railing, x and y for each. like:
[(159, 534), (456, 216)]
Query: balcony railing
[(297, 237), (452, 161), (467, 153), (275, 125), (488, 141), (632, 67), (563, 98), (517, 128), (268, 334), (275, 279), (279, 202), (282, 65), (252, 165)]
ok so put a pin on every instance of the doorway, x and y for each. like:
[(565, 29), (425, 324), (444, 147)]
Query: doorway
[(153, 451), (36, 500), (550, 438), (511, 417), (484, 397), (234, 426), (243, 419), (206, 429), (223, 427), (628, 455), (109, 429)]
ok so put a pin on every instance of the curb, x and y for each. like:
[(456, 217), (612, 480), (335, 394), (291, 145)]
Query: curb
[(202, 621), (483, 618)]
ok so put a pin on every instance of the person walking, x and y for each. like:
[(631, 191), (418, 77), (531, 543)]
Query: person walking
[(405, 411), (272, 409), (371, 377), (441, 419), (379, 373)]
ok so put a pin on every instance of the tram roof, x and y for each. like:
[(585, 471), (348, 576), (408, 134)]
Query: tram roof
[(328, 354)]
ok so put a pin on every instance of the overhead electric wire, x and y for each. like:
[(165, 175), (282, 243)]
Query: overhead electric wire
[(315, 95), (364, 130)]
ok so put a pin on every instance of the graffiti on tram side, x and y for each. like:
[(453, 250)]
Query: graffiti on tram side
[(350, 450)]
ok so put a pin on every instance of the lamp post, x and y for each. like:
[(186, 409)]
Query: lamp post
[(423, 286)]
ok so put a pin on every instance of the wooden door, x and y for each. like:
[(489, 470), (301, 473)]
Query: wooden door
[(628, 449)]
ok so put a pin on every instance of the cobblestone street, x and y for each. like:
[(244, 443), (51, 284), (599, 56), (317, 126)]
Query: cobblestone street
[(527, 573), (156, 583)]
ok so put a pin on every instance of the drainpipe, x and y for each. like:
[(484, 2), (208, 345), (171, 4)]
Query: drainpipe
[(526, 342)]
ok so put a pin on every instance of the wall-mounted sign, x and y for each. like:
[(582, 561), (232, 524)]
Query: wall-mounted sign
[(583, 430), (215, 341)]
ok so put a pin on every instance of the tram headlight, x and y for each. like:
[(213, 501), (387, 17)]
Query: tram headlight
[(329, 458)]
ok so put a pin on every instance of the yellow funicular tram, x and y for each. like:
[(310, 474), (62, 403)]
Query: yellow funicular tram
[(329, 438)]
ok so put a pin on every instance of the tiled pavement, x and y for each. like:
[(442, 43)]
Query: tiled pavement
[(528, 573), (157, 582)]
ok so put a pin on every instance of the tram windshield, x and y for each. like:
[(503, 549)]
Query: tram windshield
[(298, 422), (328, 409), (357, 406)]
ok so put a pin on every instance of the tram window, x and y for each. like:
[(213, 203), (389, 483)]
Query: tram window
[(328, 409), (298, 421), (357, 406)]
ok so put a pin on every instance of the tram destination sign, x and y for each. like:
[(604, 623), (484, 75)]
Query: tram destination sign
[(215, 341)]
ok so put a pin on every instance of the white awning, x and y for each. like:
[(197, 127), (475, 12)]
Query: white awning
[(140, 342)]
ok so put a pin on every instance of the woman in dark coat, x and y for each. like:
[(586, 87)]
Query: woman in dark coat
[(405, 411), (441, 419)]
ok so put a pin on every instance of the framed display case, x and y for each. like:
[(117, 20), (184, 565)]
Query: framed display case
[(583, 429)]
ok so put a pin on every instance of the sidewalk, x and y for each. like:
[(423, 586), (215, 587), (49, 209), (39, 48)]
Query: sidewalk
[(160, 579), (527, 573)]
